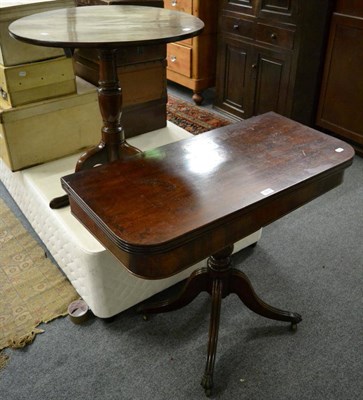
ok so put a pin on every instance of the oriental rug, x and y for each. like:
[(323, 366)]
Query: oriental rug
[(32, 289), (192, 118)]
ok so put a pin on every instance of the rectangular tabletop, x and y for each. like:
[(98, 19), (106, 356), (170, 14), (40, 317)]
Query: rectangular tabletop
[(169, 207)]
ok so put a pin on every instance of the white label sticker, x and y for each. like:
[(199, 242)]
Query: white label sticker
[(339, 150), (22, 73), (267, 191)]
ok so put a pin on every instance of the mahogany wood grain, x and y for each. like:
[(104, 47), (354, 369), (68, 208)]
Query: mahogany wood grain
[(150, 3), (349, 7), (157, 211), (112, 26)]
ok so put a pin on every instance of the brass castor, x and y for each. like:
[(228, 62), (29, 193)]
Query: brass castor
[(296, 319), (207, 384), (145, 317)]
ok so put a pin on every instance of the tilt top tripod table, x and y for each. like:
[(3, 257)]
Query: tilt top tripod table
[(106, 28)]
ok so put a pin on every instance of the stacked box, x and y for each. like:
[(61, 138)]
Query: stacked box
[(44, 114), (31, 73), (43, 131), (14, 52), (142, 74), (28, 83)]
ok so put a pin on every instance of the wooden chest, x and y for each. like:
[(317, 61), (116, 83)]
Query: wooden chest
[(12, 51), (40, 132), (142, 74), (191, 62), (27, 83)]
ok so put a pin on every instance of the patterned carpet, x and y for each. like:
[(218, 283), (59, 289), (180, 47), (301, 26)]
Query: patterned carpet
[(192, 118), (32, 289)]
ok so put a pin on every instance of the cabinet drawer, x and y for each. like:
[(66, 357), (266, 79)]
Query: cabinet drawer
[(279, 10), (183, 6), (179, 59), (127, 55), (276, 36), (237, 26), (179, 5)]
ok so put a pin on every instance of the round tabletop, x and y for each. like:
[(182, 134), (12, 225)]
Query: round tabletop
[(105, 26)]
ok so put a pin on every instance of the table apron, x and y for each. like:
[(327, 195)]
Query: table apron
[(148, 263)]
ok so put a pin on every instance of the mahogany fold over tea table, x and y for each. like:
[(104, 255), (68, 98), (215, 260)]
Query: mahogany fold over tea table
[(163, 210)]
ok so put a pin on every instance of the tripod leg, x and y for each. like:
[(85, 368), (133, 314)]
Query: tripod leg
[(196, 283), (207, 380), (241, 285)]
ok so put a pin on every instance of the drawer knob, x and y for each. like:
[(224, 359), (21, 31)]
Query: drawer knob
[(235, 27), (254, 66), (273, 36), (172, 58), (4, 94), (173, 3)]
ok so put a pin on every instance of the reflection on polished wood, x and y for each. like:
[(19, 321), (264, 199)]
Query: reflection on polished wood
[(106, 28), (168, 208)]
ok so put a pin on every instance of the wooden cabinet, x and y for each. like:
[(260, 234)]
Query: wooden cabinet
[(269, 57), (341, 99), (191, 63), (252, 79)]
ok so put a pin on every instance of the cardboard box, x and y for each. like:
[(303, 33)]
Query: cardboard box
[(14, 52), (28, 83), (44, 131)]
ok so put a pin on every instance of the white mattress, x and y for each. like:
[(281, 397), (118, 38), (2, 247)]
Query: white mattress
[(99, 278)]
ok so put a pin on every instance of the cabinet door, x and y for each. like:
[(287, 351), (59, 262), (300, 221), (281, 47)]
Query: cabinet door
[(341, 98), (234, 77), (353, 8), (284, 10), (252, 80), (271, 81), (240, 6)]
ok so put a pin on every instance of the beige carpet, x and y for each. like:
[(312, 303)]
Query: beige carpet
[(32, 289)]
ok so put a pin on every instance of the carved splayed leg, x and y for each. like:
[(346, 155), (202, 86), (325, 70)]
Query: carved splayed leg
[(219, 267), (241, 285)]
